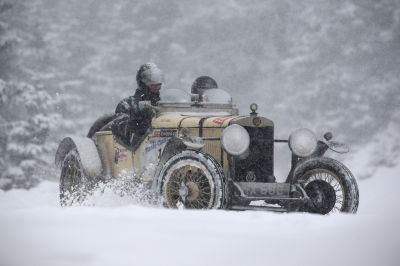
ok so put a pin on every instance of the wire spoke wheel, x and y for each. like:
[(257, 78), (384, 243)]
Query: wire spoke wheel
[(325, 191), (190, 185), (330, 186), (192, 180)]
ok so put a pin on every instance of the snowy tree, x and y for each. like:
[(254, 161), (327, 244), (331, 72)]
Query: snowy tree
[(26, 121), (333, 54), (326, 65), (28, 113), (7, 41)]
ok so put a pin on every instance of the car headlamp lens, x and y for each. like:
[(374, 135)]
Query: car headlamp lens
[(235, 140), (303, 142)]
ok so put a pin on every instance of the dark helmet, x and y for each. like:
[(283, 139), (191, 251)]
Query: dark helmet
[(149, 74), (203, 83)]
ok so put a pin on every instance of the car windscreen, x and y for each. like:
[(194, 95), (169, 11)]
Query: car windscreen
[(174, 96), (216, 96)]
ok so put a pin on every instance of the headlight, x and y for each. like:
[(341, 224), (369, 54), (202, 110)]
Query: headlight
[(235, 140), (303, 142)]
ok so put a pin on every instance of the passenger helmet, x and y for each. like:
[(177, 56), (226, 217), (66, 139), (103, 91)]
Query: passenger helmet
[(203, 83)]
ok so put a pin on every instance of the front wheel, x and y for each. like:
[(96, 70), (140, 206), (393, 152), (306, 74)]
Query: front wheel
[(193, 180), (330, 186)]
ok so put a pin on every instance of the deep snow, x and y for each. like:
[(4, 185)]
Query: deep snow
[(34, 230)]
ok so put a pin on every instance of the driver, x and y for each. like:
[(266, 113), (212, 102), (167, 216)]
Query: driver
[(133, 118)]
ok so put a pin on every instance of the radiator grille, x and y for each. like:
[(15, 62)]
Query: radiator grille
[(258, 166)]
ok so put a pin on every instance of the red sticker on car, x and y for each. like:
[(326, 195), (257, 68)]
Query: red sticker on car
[(221, 120), (121, 155), (163, 133), (156, 133)]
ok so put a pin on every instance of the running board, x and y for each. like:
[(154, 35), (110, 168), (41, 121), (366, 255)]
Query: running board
[(258, 208)]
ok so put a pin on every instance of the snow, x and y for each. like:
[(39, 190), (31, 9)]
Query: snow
[(34, 230), (88, 154), (318, 64)]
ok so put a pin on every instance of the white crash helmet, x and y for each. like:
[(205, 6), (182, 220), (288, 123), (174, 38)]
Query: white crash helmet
[(149, 74)]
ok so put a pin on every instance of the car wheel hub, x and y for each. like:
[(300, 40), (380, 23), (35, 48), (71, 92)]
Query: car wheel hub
[(194, 191), (322, 195), (189, 185)]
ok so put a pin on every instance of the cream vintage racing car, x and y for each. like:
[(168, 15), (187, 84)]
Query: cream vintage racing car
[(201, 154)]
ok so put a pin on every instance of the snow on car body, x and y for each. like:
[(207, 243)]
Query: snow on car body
[(203, 155)]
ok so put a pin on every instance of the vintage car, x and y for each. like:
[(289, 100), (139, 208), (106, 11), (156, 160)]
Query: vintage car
[(199, 153)]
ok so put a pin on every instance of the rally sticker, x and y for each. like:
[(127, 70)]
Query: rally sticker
[(221, 120), (164, 133), (154, 144), (120, 155)]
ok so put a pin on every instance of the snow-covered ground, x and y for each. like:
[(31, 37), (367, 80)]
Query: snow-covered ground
[(34, 230)]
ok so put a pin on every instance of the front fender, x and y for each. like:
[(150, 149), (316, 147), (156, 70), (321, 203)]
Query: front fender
[(174, 146), (87, 151), (312, 163)]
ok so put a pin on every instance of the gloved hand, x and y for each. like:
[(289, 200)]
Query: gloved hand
[(144, 105)]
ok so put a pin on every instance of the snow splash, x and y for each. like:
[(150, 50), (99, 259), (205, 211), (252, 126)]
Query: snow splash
[(126, 189)]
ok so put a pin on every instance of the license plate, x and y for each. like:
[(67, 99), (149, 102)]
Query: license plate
[(260, 190)]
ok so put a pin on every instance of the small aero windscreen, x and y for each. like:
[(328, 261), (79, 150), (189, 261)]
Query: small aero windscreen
[(174, 96), (217, 96)]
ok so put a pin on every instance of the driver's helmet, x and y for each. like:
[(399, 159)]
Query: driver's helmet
[(202, 84), (149, 74)]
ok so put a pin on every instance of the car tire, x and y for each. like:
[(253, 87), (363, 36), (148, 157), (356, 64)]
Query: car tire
[(193, 180), (330, 185), (74, 184)]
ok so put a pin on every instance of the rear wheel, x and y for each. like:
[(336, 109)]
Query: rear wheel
[(193, 180), (330, 186), (74, 185)]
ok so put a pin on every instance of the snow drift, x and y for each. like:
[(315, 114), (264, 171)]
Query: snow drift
[(34, 230)]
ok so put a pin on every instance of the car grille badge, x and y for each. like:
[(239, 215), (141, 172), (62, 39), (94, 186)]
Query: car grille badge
[(251, 176)]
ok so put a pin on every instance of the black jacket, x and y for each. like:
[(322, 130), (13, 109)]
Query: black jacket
[(131, 122), (130, 106)]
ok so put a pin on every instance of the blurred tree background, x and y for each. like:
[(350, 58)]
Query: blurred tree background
[(326, 65)]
